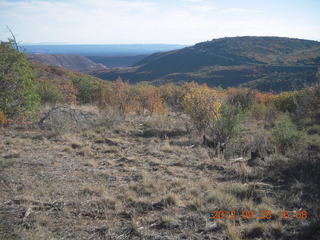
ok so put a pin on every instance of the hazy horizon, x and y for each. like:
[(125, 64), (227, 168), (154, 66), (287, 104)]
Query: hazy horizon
[(96, 44), (183, 22), (141, 43)]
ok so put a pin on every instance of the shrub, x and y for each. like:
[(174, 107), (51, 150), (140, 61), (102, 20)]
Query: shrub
[(263, 112), (70, 92), (146, 97), (228, 125), (308, 104), (242, 98), (18, 93), (263, 97), (50, 93), (286, 135), (105, 94), (171, 95), (286, 101), (120, 96), (88, 89), (203, 106)]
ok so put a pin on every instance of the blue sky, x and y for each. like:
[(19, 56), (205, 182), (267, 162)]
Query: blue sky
[(156, 21)]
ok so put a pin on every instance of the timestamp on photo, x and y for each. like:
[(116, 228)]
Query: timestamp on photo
[(263, 214)]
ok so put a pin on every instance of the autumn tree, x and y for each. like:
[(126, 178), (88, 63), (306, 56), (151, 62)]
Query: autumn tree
[(202, 105), (121, 98), (263, 97), (148, 98)]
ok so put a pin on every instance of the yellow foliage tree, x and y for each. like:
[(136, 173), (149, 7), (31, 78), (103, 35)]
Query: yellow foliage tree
[(170, 93), (121, 98), (147, 98), (203, 106)]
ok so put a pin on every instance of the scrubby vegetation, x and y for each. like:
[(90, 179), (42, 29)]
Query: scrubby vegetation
[(110, 160), (18, 96)]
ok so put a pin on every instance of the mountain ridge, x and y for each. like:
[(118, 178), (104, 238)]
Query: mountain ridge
[(72, 62), (203, 62)]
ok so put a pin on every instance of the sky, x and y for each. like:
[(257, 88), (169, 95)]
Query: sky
[(156, 21)]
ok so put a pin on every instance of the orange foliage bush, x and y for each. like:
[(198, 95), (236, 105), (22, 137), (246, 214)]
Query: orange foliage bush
[(263, 97), (70, 92), (243, 98)]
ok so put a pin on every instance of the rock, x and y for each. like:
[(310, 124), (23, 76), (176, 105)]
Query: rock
[(66, 118)]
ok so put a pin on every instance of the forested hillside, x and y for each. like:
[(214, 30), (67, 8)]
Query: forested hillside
[(266, 63)]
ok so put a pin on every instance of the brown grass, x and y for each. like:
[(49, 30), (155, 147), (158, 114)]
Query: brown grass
[(132, 183)]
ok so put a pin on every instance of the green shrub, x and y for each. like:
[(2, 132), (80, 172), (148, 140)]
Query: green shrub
[(50, 93), (18, 92), (286, 101), (88, 89), (228, 126), (286, 135)]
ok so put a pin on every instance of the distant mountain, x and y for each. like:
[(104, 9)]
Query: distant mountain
[(267, 63), (101, 49), (72, 62), (117, 61), (110, 55)]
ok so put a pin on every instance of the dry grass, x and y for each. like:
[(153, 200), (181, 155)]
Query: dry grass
[(146, 180)]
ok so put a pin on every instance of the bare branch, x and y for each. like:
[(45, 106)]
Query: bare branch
[(13, 39)]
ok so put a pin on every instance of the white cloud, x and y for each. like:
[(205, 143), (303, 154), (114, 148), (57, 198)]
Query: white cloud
[(193, 1), (241, 10), (137, 21)]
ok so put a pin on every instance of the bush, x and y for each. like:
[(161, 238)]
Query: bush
[(50, 93), (203, 106), (286, 101), (171, 95), (121, 98), (308, 104), (228, 125), (88, 89), (286, 135), (18, 93), (242, 98), (146, 97), (264, 112)]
